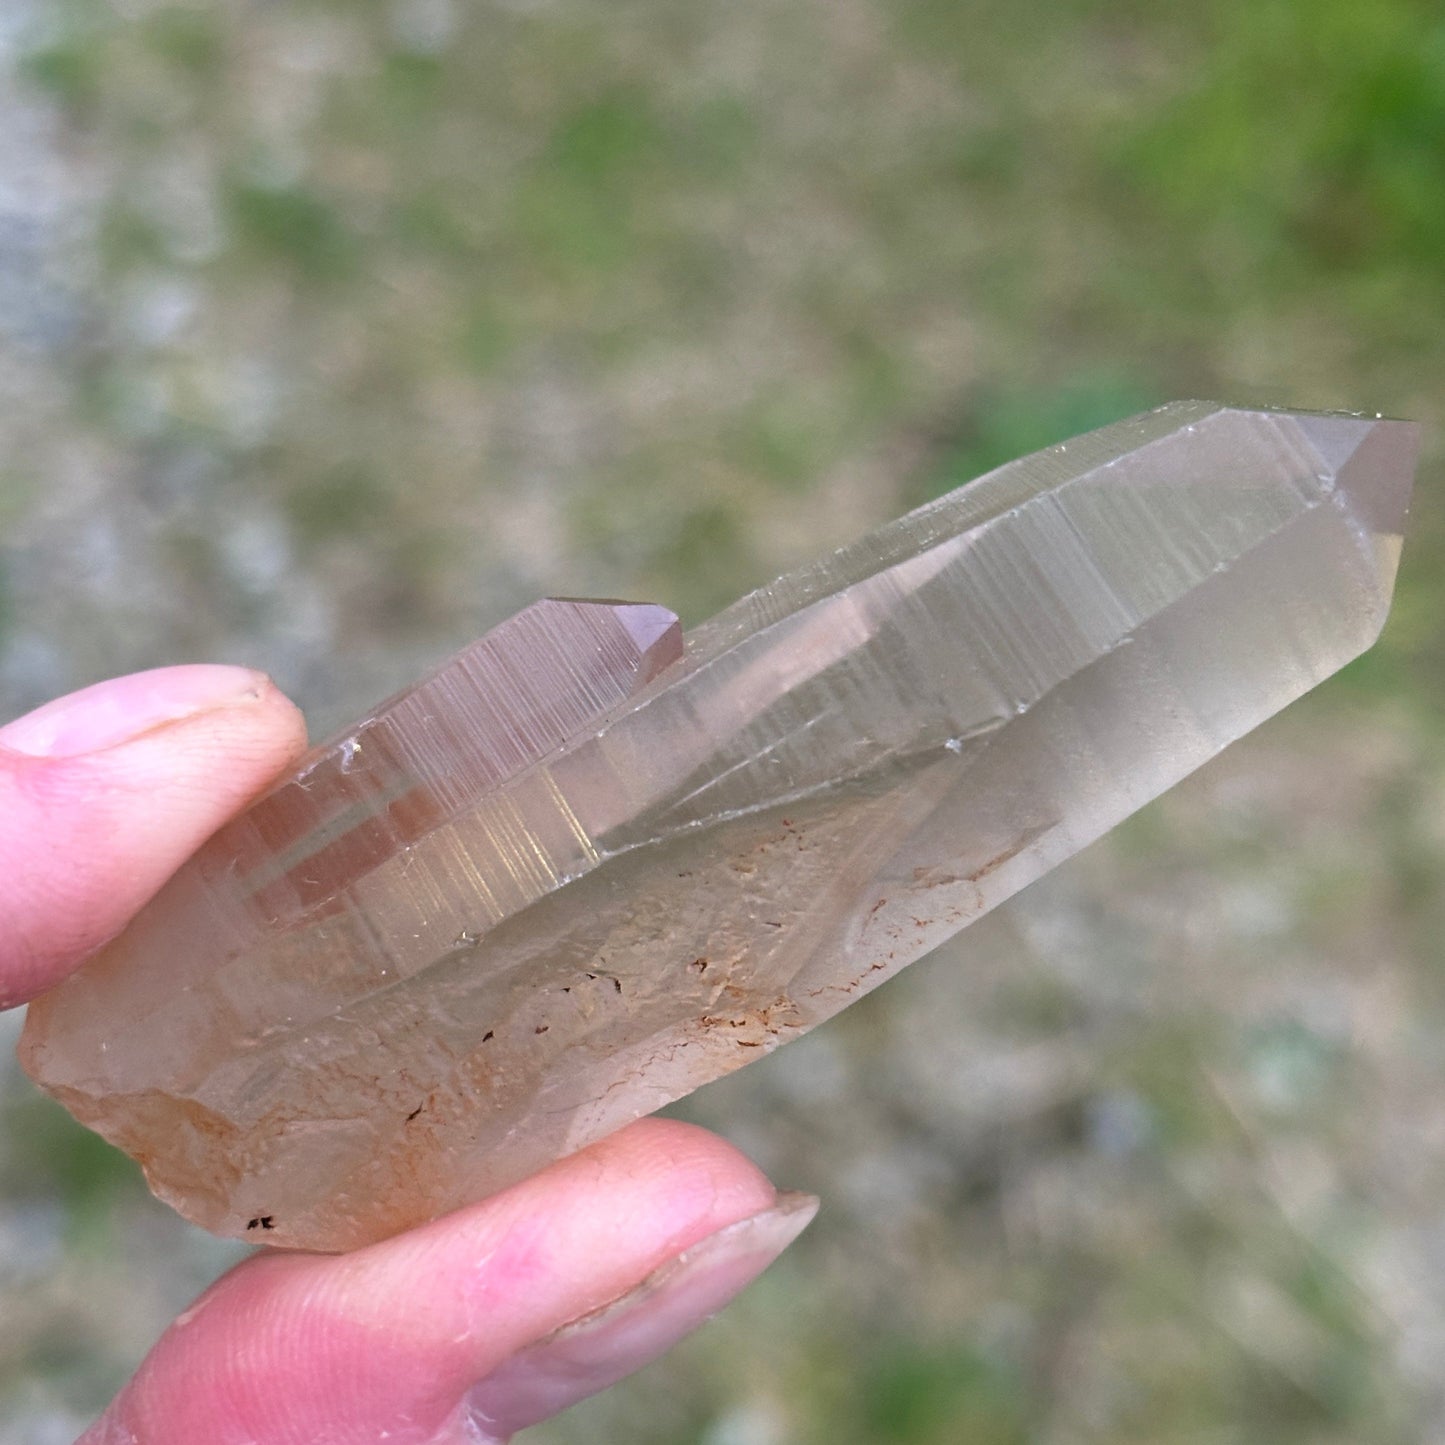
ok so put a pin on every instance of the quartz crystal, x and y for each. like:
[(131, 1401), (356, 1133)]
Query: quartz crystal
[(579, 871)]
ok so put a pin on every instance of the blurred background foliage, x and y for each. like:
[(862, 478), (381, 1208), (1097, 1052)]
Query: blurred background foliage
[(332, 332)]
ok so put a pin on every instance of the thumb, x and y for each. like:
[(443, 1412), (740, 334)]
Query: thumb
[(104, 793), (545, 1293)]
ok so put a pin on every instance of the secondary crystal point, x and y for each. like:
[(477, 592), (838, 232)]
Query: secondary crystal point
[(572, 875)]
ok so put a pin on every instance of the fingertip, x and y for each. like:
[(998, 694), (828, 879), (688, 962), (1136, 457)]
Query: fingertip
[(701, 1181), (119, 710), (591, 1353), (104, 794), (225, 755)]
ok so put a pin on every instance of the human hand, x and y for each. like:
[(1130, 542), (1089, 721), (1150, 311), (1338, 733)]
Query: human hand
[(458, 1333)]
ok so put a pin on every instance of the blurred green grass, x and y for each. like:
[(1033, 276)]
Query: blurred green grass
[(470, 303)]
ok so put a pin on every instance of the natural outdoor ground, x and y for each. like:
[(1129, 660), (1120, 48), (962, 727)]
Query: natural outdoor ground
[(332, 332)]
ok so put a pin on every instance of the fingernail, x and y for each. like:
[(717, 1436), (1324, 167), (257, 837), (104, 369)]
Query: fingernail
[(598, 1350), (110, 713)]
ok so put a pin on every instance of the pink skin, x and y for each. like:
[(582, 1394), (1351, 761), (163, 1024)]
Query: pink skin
[(457, 1333)]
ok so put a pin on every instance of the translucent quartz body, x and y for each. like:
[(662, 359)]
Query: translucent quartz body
[(561, 882)]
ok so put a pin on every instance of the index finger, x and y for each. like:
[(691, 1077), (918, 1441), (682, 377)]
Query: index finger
[(104, 793)]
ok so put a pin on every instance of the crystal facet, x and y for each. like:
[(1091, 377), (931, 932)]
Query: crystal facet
[(575, 874)]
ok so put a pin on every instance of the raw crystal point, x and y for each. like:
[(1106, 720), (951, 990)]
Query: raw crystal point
[(572, 875)]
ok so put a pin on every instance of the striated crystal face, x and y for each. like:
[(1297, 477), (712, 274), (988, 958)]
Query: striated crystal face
[(576, 872)]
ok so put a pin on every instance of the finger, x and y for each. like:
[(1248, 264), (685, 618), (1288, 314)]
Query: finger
[(104, 793), (478, 1324)]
